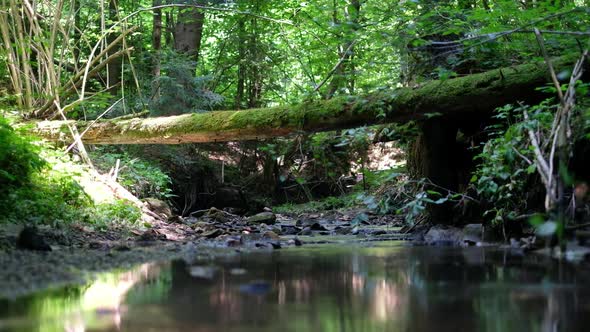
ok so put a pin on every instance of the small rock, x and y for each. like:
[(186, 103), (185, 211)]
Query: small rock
[(235, 241), (473, 233), (202, 272), (122, 247), (94, 245), (151, 235), (317, 227), (159, 207), (342, 230), (306, 231), (213, 233), (442, 235), (30, 239), (290, 230), (275, 245), (218, 216), (267, 218), (176, 220), (271, 235), (355, 230), (298, 242), (267, 209)]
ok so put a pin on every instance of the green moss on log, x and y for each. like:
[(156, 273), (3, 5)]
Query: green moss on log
[(473, 93)]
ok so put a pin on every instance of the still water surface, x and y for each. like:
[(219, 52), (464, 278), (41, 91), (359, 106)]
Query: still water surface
[(374, 287)]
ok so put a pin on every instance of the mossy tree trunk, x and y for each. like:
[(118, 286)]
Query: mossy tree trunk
[(473, 94)]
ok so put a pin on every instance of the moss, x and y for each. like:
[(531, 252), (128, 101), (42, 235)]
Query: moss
[(478, 92)]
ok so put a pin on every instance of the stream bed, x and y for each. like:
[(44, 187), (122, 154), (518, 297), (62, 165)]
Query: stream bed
[(374, 286)]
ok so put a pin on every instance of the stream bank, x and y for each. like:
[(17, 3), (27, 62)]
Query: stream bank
[(75, 253)]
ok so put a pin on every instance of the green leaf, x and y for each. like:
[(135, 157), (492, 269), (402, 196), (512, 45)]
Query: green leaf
[(536, 220), (440, 201), (531, 169)]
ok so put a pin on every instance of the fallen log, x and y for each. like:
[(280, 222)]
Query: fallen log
[(480, 93)]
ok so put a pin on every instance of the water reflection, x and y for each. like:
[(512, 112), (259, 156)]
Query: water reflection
[(99, 304), (385, 288)]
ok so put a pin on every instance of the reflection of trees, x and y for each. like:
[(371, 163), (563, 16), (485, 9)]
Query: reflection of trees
[(99, 305), (417, 289), (414, 289)]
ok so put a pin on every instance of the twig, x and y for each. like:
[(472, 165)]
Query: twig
[(549, 64), (333, 70), (528, 161), (542, 166), (521, 28), (93, 122)]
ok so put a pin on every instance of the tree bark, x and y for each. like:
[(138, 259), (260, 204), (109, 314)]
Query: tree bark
[(188, 32), (157, 45), (343, 75), (474, 94), (114, 66)]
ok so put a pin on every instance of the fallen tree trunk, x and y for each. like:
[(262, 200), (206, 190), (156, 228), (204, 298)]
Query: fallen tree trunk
[(479, 93)]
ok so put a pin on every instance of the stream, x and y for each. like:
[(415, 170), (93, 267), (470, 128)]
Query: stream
[(375, 286)]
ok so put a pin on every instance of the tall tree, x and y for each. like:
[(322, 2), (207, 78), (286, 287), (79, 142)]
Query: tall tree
[(188, 31), (115, 65), (157, 42), (343, 73)]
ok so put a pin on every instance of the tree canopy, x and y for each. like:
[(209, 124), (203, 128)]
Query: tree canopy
[(91, 59)]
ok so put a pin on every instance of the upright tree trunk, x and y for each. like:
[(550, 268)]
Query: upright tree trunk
[(432, 157), (169, 30), (157, 45), (241, 64), (344, 74), (114, 66), (255, 75), (188, 32), (77, 35)]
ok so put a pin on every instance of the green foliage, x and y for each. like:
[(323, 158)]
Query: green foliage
[(50, 198), (47, 190), (400, 195), (51, 195), (19, 158), (503, 172), (326, 204), (180, 91), (143, 178), (118, 212)]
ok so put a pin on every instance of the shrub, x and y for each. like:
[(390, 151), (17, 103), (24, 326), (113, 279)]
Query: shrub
[(19, 158)]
